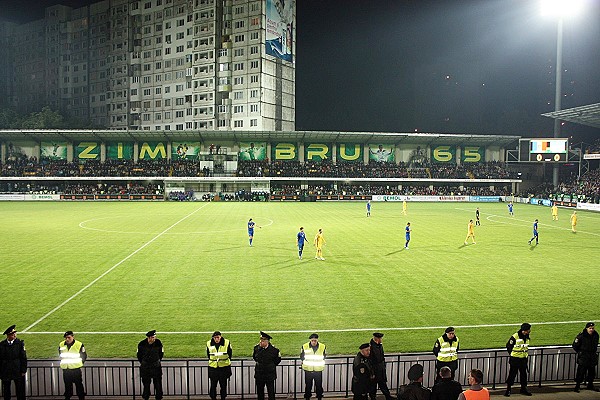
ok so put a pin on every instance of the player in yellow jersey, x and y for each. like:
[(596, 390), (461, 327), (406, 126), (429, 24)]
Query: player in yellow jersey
[(574, 222), (404, 206), (554, 212), (470, 232), (319, 242)]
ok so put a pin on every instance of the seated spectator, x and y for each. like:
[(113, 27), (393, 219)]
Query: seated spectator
[(414, 390)]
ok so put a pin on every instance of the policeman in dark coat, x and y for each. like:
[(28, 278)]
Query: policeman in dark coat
[(363, 374), (13, 364), (378, 362), (149, 353), (586, 346), (267, 359), (414, 390)]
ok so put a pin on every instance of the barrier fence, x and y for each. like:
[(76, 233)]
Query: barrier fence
[(188, 378)]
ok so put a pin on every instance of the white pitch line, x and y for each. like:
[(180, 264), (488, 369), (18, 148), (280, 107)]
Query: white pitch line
[(413, 328), (109, 270)]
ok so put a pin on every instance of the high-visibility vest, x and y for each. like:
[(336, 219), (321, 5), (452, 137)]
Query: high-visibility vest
[(218, 356), (482, 394), (70, 357), (313, 360), (448, 350), (521, 348)]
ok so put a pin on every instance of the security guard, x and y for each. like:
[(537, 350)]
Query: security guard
[(518, 348), (586, 346), (445, 350), (150, 352), (378, 361), (313, 364), (267, 359), (363, 375), (72, 356), (219, 352), (13, 364)]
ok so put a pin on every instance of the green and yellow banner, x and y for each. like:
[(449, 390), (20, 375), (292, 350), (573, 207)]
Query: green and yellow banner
[(252, 151), (472, 154), (185, 151), (443, 154), (53, 150), (152, 151), (381, 153), (283, 151), (317, 151), (87, 151), (119, 151), (349, 152)]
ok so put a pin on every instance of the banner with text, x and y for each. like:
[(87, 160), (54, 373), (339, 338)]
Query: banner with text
[(87, 151), (53, 150), (443, 154), (185, 151), (252, 151), (280, 19), (152, 151), (119, 151), (284, 152), (381, 153), (472, 154), (349, 152), (317, 151)]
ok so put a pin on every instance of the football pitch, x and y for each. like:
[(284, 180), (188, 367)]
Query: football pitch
[(111, 271)]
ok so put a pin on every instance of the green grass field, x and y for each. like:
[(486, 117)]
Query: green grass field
[(112, 271)]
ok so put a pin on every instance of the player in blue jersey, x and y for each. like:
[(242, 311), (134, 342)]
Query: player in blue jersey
[(510, 209), (250, 230), (535, 233), (368, 208), (408, 231), (301, 237)]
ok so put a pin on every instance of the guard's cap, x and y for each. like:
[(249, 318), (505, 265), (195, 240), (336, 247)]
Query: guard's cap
[(217, 333), (589, 324), (377, 334), (68, 333), (313, 336), (449, 329), (364, 346), (151, 333), (525, 326), (415, 372), (10, 329), (264, 335)]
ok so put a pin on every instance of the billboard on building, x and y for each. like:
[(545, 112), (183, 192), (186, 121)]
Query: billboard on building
[(53, 150), (280, 19), (185, 151), (253, 151), (381, 153)]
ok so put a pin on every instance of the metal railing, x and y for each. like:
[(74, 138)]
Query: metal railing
[(188, 378)]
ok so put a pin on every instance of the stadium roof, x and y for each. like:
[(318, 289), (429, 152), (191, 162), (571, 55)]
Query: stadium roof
[(244, 136), (585, 115)]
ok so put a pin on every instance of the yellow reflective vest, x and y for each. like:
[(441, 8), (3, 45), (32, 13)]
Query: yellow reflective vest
[(218, 356), (70, 357), (521, 348), (313, 360), (448, 350)]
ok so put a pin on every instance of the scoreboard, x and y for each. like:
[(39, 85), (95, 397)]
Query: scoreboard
[(544, 150)]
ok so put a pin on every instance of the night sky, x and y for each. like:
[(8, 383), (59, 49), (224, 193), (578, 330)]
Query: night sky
[(448, 66)]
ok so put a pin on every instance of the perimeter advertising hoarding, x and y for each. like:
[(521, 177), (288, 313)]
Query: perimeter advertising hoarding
[(185, 151), (317, 151), (53, 150), (279, 38), (119, 151), (87, 151), (381, 153), (252, 151), (349, 152), (284, 151)]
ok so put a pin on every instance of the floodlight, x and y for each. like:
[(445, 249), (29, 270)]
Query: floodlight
[(562, 8)]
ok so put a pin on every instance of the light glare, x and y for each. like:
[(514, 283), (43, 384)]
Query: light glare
[(562, 8)]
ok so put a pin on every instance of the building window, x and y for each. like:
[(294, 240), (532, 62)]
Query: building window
[(254, 64), (238, 66), (238, 80), (238, 95), (178, 114), (253, 78), (238, 109), (238, 123), (253, 108), (254, 50), (239, 38), (254, 122)]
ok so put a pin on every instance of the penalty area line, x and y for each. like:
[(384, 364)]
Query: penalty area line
[(58, 307), (413, 328)]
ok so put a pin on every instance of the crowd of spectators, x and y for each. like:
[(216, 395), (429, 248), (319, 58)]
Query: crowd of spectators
[(181, 195), (327, 169), (585, 189), (594, 148), (112, 188)]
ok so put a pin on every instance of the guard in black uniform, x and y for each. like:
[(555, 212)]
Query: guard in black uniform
[(363, 374), (378, 362), (13, 364), (586, 346), (267, 359), (149, 353)]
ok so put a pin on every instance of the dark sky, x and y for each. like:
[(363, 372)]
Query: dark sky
[(463, 66)]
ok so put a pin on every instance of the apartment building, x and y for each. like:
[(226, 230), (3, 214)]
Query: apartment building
[(159, 64)]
